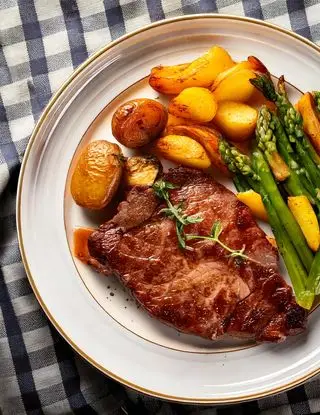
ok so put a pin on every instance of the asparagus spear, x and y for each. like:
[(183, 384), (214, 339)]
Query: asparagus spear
[(287, 152), (267, 142), (292, 123), (240, 183), (314, 275), (294, 231), (296, 270), (235, 162)]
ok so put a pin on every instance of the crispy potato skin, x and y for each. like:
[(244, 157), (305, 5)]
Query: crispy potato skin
[(171, 80), (182, 150), (311, 123), (141, 171), (237, 121), (138, 122), (97, 175), (195, 103), (207, 137)]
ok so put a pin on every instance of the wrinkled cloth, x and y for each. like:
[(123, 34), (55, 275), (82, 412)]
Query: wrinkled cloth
[(41, 42)]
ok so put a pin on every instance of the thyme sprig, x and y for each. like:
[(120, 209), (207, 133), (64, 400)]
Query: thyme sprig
[(214, 237), (175, 212)]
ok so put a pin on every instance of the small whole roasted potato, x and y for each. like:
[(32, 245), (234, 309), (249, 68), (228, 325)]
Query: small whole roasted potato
[(97, 175), (141, 170), (138, 122), (182, 150)]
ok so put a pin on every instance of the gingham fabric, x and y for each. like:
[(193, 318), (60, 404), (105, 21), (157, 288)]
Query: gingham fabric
[(41, 42)]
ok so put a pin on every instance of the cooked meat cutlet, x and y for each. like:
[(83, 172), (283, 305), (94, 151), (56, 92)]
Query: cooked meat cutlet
[(202, 291)]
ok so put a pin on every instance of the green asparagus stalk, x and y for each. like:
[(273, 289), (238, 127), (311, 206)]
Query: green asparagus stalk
[(236, 161), (288, 220), (267, 143), (287, 152), (296, 270), (293, 263), (240, 183), (313, 281), (293, 229), (292, 123)]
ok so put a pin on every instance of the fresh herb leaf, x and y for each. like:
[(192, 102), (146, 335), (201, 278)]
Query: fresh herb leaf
[(214, 237), (216, 230), (176, 213)]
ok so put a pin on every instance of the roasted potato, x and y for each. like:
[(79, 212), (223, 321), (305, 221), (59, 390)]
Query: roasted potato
[(303, 212), (311, 123), (254, 201), (97, 174), (171, 80), (182, 150), (174, 120), (252, 63), (207, 137), (138, 122), (197, 104), (141, 170), (237, 121), (235, 87)]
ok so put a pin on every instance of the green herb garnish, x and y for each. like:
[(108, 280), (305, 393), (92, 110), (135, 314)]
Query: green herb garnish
[(176, 212), (214, 237)]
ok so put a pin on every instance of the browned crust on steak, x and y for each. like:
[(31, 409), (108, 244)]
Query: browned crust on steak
[(203, 291)]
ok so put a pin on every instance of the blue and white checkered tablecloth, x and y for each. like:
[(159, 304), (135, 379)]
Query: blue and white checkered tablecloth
[(41, 42)]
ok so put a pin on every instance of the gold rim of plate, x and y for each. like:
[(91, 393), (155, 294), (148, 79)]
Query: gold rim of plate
[(19, 230)]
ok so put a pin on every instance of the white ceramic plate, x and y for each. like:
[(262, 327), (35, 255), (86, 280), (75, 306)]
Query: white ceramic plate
[(94, 313)]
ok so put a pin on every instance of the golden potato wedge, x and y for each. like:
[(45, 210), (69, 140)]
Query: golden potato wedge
[(171, 80), (197, 104), (231, 71), (207, 137), (182, 150), (254, 201), (252, 63), (141, 170), (139, 121), (311, 123), (97, 174), (237, 121), (235, 87), (307, 219)]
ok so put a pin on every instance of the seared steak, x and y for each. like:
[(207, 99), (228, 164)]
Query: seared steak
[(201, 291)]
